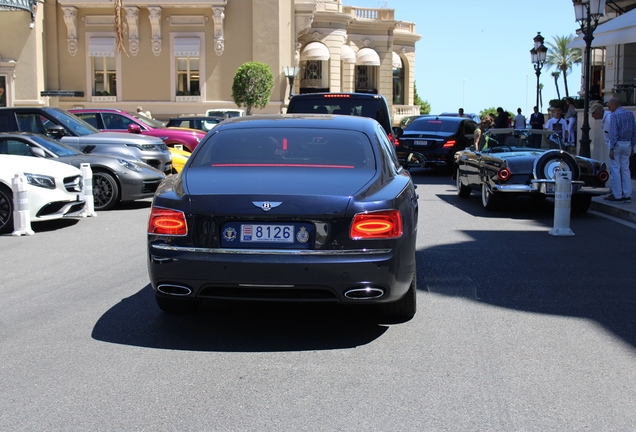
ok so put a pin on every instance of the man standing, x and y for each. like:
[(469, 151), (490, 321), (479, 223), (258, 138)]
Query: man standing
[(460, 112), (622, 138), (537, 120), (558, 124), (520, 120)]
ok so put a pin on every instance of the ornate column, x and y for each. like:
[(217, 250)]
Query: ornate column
[(132, 19), (155, 24), (70, 18)]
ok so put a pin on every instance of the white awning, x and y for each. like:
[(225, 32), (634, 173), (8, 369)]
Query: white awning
[(315, 51), (618, 31), (186, 47), (367, 57), (347, 55), (397, 61), (101, 47)]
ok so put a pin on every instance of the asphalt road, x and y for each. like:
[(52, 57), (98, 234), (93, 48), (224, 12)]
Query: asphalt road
[(516, 330)]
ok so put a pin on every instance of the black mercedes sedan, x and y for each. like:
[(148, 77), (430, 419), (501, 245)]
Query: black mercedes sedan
[(437, 138), (115, 178), (295, 208)]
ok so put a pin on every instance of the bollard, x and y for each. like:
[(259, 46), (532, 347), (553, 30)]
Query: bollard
[(562, 204), (87, 173), (21, 213)]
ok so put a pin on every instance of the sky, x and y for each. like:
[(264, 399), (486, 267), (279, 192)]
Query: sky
[(475, 54)]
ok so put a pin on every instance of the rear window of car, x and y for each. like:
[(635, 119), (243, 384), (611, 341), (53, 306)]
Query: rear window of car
[(311, 148), (432, 125)]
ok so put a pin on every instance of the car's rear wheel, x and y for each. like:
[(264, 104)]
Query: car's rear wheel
[(105, 190), (581, 203), (177, 305), (489, 199), (6, 209), (404, 309), (462, 190)]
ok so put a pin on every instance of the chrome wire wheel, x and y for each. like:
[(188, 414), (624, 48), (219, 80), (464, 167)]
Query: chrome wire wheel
[(105, 190)]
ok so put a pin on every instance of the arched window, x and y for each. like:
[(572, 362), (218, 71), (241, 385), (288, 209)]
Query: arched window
[(398, 80)]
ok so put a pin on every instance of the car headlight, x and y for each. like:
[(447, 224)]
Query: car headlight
[(40, 180), (127, 164), (144, 147)]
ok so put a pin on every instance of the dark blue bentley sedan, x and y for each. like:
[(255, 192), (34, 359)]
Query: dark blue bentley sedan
[(287, 207)]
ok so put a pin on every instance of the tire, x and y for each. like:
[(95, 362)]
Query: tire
[(489, 200), (105, 190), (462, 190), (404, 309), (581, 203), (177, 305), (6, 209), (546, 166)]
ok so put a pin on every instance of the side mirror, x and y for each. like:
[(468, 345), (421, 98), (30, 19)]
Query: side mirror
[(56, 131), (134, 128), (38, 152)]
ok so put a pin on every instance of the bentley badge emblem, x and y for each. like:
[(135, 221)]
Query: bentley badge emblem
[(266, 205)]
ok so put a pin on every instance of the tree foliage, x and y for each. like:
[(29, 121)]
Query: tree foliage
[(563, 58), (252, 86), (425, 107)]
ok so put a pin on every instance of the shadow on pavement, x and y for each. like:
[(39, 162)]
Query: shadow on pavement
[(236, 326)]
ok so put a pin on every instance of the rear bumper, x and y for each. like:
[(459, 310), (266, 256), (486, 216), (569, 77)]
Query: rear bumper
[(547, 187), (289, 275)]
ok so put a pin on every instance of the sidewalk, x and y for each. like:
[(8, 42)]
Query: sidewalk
[(619, 210)]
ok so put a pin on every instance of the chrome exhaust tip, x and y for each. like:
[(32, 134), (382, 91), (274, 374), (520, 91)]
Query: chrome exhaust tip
[(364, 293), (175, 290)]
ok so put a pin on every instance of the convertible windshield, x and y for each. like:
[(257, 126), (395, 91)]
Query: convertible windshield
[(312, 148), (72, 122), (58, 148)]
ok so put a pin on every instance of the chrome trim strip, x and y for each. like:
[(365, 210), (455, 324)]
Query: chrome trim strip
[(270, 251)]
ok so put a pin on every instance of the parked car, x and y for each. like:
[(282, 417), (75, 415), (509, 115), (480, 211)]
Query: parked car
[(179, 158), (116, 120), (355, 104), (437, 139), (225, 112), (507, 165), (55, 190), (115, 179), (287, 207), (75, 132), (204, 123)]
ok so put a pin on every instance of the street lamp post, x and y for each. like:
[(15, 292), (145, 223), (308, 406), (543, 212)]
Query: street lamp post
[(587, 13), (537, 56), (290, 73)]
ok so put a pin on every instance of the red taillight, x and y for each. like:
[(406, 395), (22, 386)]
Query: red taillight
[(386, 224), (449, 143), (167, 222), (504, 174), (602, 176)]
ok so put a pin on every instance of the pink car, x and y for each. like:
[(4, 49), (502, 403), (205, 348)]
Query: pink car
[(116, 120)]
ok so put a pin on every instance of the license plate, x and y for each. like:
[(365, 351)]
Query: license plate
[(256, 233), (421, 143)]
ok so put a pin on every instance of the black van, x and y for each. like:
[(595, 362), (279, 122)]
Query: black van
[(357, 104)]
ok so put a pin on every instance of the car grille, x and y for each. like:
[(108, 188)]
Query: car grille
[(74, 184), (55, 207), (150, 186)]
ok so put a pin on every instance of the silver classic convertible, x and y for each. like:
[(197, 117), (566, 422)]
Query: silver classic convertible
[(509, 162)]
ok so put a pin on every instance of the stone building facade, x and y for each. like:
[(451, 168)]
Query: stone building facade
[(180, 56)]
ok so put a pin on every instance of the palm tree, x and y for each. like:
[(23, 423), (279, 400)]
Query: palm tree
[(556, 75), (562, 57)]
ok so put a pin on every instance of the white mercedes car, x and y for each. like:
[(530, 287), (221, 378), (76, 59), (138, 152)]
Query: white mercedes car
[(54, 189)]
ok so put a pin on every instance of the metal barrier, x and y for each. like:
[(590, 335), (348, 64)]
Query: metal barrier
[(562, 204), (21, 214)]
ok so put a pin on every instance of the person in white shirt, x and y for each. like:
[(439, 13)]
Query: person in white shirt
[(558, 124), (520, 120)]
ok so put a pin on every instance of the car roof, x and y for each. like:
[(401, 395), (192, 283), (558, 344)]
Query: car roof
[(336, 94), (441, 117), (326, 121)]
